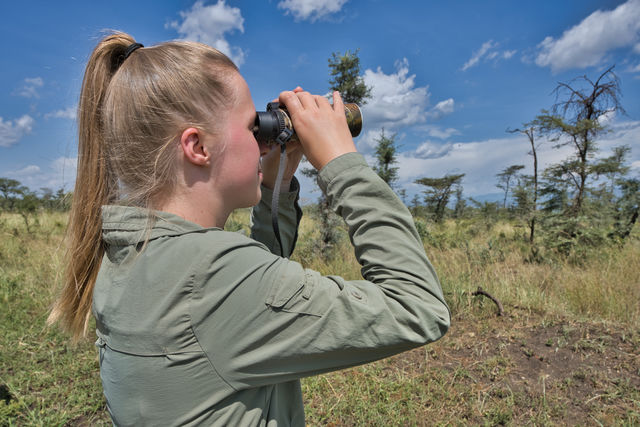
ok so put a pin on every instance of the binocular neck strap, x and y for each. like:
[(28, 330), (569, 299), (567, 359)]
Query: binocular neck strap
[(282, 140)]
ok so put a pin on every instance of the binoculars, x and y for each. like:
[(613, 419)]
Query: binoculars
[(271, 123)]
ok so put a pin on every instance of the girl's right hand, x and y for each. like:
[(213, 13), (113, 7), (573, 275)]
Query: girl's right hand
[(321, 127)]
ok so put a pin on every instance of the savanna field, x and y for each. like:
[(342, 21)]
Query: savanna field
[(566, 350)]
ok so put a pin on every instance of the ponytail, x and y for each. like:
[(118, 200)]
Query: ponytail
[(133, 106), (96, 185)]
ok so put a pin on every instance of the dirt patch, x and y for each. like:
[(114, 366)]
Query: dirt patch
[(525, 369)]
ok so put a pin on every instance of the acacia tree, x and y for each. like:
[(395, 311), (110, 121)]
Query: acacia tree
[(504, 180), (386, 158), (11, 191), (576, 120), (439, 191)]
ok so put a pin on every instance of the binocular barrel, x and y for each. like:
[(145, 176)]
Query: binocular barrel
[(270, 124)]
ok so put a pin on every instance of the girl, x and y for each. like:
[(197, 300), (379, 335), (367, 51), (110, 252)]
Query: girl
[(198, 326)]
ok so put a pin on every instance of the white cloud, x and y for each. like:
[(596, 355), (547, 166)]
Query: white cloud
[(67, 113), (482, 160), (312, 10), (475, 58), (437, 132), (30, 87), (208, 24), (430, 150), (488, 52), (12, 131), (587, 43), (26, 171), (395, 101), (59, 173), (442, 108)]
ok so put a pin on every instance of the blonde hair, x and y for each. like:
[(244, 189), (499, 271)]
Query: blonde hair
[(130, 115)]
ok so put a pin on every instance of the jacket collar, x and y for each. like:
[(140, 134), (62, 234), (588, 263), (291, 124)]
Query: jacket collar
[(126, 225)]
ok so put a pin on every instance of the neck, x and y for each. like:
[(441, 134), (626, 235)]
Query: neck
[(206, 213)]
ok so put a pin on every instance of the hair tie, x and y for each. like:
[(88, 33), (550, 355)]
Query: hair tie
[(121, 58), (132, 47)]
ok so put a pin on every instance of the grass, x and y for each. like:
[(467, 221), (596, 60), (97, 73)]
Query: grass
[(565, 353)]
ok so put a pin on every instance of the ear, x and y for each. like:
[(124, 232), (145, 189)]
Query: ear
[(193, 148)]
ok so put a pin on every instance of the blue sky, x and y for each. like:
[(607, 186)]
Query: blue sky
[(448, 78)]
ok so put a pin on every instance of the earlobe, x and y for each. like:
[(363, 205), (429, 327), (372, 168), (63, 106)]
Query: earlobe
[(193, 148)]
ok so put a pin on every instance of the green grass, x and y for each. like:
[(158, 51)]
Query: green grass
[(487, 371)]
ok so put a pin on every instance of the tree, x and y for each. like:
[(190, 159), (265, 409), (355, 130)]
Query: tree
[(439, 191), (346, 79), (11, 190), (460, 204), (386, 158), (576, 120), (529, 205), (504, 180), (345, 70)]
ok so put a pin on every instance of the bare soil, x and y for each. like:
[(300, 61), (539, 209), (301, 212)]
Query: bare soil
[(523, 368)]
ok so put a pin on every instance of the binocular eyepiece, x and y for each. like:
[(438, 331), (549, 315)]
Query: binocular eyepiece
[(271, 123)]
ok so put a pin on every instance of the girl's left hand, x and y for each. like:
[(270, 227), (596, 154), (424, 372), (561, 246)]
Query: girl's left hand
[(271, 161)]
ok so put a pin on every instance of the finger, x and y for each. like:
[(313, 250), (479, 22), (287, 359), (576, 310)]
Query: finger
[(307, 100), (322, 102), (291, 101), (338, 105), (296, 90)]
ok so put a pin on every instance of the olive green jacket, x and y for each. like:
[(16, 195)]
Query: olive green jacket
[(207, 327)]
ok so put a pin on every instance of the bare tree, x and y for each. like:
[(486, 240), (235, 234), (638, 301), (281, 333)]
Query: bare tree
[(576, 120), (531, 129)]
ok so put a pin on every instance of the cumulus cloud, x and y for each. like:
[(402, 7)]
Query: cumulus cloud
[(26, 171), (312, 10), (437, 132), (395, 100), (67, 113), (481, 160), (488, 52), (441, 109), (12, 131), (208, 24), (430, 150), (59, 173), (30, 87), (587, 43)]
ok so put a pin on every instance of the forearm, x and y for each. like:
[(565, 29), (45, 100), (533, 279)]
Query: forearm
[(289, 215), (381, 229)]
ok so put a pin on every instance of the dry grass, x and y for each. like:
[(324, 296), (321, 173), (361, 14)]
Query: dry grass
[(485, 372)]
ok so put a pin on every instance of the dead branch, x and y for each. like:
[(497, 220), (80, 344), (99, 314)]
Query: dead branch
[(481, 291)]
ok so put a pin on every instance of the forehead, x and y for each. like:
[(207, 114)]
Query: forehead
[(241, 92)]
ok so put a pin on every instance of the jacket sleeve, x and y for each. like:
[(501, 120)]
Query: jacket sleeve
[(276, 321), (289, 216)]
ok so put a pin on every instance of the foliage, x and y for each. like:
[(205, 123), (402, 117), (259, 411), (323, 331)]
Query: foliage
[(576, 120), (505, 179), (438, 192), (346, 79), (345, 70), (386, 158)]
